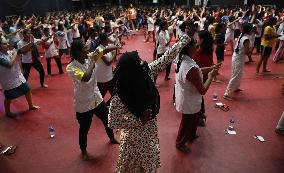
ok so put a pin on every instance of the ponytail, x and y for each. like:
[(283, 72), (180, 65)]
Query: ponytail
[(184, 52), (180, 59), (247, 28), (238, 45)]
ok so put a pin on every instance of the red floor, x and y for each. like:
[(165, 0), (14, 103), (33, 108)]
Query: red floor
[(257, 110)]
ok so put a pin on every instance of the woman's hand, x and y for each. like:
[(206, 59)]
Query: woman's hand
[(217, 66), (213, 73), (97, 54)]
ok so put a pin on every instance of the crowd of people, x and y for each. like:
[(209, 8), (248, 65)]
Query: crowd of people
[(93, 40)]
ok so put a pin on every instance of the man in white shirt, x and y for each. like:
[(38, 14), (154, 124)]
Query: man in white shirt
[(30, 57), (87, 97)]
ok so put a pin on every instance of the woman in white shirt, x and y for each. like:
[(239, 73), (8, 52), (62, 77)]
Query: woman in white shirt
[(63, 43), (241, 52), (151, 27), (51, 51), (103, 69), (178, 23), (188, 92), (229, 37), (163, 42), (75, 31), (12, 80)]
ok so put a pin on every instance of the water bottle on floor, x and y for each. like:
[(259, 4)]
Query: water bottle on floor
[(232, 121), (215, 96), (51, 131)]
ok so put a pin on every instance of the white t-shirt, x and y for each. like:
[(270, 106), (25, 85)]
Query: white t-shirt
[(238, 23), (10, 77), (104, 72), (188, 99), (87, 95), (62, 39), (101, 21), (163, 39), (26, 57), (251, 40), (171, 29), (52, 50), (75, 31), (150, 22), (280, 31), (241, 47), (179, 22)]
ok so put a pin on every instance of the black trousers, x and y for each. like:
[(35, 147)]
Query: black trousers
[(202, 111), (85, 121), (257, 44), (62, 51), (168, 68), (38, 66), (58, 63), (104, 87)]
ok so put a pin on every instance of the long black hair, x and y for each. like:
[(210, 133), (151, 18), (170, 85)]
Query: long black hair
[(247, 28), (162, 24), (134, 86), (184, 51), (207, 44), (77, 47)]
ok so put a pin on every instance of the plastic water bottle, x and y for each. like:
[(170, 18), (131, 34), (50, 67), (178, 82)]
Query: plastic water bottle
[(51, 131), (232, 121), (215, 96)]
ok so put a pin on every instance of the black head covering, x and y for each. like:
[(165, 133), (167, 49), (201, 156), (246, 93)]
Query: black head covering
[(134, 86)]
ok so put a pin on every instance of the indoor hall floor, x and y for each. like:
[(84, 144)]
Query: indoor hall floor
[(256, 111)]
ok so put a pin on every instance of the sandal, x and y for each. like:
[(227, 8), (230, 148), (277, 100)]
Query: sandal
[(9, 150), (193, 138), (238, 90), (11, 115), (222, 106), (279, 131), (202, 121), (227, 97)]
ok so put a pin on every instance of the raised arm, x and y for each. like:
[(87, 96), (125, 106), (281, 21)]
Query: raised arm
[(11, 62), (161, 63), (233, 21)]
